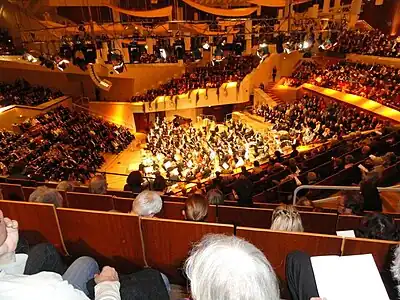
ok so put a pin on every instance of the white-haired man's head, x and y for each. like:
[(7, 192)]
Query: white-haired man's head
[(395, 268), (147, 204), (43, 194), (227, 267)]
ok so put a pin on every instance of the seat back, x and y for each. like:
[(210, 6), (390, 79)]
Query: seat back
[(27, 191), (243, 216), (22, 182), (38, 222), (123, 205), (90, 201), (81, 189), (167, 242), (379, 249), (276, 245), (319, 222), (348, 222), (111, 238), (121, 194), (12, 191)]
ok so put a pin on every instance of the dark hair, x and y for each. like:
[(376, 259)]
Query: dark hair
[(256, 163), (159, 183), (17, 168), (134, 179), (244, 188), (378, 226)]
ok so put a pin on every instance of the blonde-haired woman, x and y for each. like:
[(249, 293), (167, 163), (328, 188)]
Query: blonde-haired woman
[(286, 218)]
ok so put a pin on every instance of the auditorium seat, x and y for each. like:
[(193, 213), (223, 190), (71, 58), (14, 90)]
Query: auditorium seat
[(27, 191), (319, 222), (348, 222), (12, 191), (90, 201), (243, 216), (23, 182), (277, 245), (379, 249), (123, 205), (38, 222), (110, 238), (121, 194), (168, 242)]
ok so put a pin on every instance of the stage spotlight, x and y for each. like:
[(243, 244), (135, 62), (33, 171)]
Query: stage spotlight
[(206, 46), (119, 68), (163, 53), (62, 64), (179, 49), (29, 57), (306, 45)]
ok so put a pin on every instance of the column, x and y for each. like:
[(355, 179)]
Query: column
[(104, 51), (248, 25), (150, 45), (355, 12), (326, 7)]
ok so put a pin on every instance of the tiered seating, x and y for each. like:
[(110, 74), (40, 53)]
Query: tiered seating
[(22, 93), (129, 242), (212, 76)]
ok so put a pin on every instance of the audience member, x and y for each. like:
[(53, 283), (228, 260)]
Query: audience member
[(286, 218), (43, 194), (66, 186), (215, 197), (378, 226), (147, 204), (196, 208), (229, 268), (242, 191), (98, 185), (257, 169), (159, 183), (134, 182)]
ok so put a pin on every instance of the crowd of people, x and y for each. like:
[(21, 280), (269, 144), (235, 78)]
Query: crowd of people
[(22, 93), (231, 69), (152, 59), (367, 42), (376, 82), (313, 119), (59, 145)]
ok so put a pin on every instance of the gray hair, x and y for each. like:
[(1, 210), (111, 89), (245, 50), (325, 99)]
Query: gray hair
[(215, 196), (395, 269), (43, 194), (65, 186), (230, 268), (286, 218), (98, 185), (147, 204)]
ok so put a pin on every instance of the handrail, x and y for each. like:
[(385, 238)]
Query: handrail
[(338, 187)]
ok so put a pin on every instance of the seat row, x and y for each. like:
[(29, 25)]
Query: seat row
[(130, 242), (325, 222)]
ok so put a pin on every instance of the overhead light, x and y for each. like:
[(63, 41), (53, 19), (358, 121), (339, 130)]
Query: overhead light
[(119, 68), (263, 45), (29, 57), (206, 46), (306, 45), (163, 53)]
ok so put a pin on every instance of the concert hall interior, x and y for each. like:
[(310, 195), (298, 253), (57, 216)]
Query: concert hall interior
[(200, 149)]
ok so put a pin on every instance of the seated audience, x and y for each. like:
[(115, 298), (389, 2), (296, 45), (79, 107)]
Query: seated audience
[(286, 218), (257, 169), (312, 119), (43, 194), (98, 185), (147, 204), (134, 182), (22, 93), (370, 194), (376, 82), (232, 69), (367, 42), (229, 268), (61, 145), (350, 203), (196, 208)]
